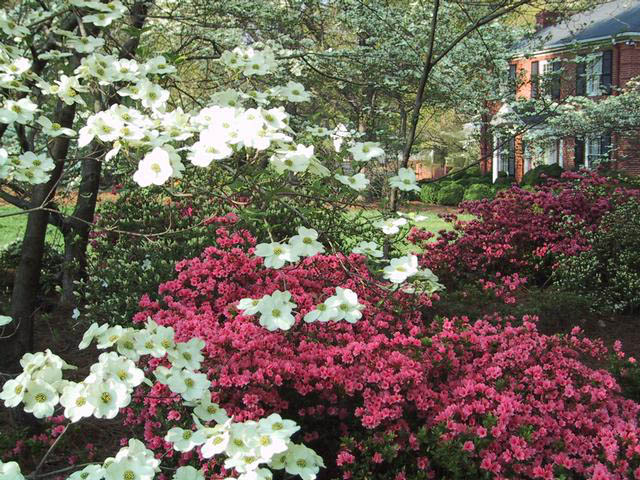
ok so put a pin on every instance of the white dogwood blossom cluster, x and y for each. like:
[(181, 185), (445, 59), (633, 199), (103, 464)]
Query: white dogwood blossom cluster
[(343, 305), (250, 447), (276, 310), (304, 244)]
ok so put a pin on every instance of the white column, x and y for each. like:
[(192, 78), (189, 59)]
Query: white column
[(561, 153), (496, 156)]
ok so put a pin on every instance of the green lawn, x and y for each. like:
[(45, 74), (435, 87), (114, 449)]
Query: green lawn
[(432, 223), (12, 228)]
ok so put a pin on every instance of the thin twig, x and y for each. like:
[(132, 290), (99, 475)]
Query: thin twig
[(53, 445)]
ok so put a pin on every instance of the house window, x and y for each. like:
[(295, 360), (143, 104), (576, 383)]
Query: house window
[(545, 77), (592, 150), (593, 71), (507, 156), (513, 79), (535, 74), (526, 153), (594, 78)]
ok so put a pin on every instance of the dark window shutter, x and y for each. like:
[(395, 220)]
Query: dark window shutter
[(607, 72), (511, 167), (535, 71), (578, 153), (513, 86), (605, 146), (581, 80), (555, 85)]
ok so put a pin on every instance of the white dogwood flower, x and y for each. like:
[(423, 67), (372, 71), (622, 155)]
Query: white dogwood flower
[(108, 397), (188, 473), (363, 152), (391, 226), (303, 461), (209, 411), (305, 243), (358, 181), (372, 249), (40, 399), (405, 180), (345, 302), (184, 440), (10, 471), (75, 400), (275, 254), (154, 169), (400, 269), (276, 311)]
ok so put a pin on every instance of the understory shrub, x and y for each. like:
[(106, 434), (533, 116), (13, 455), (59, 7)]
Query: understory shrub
[(608, 273), (504, 180), (450, 194), (429, 192), (50, 277), (390, 396), (542, 173), (522, 231), (122, 266), (478, 191)]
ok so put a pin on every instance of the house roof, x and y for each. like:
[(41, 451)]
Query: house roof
[(608, 20)]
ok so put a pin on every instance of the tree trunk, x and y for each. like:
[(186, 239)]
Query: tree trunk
[(27, 278), (76, 237)]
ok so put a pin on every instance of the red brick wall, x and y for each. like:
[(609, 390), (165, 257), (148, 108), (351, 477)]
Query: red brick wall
[(568, 152)]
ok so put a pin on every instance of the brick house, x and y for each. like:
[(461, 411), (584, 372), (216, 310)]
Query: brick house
[(610, 35)]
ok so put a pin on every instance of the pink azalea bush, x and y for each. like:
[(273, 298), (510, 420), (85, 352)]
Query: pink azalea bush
[(389, 396), (521, 231)]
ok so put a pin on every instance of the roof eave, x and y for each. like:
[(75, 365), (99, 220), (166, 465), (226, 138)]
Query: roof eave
[(618, 38)]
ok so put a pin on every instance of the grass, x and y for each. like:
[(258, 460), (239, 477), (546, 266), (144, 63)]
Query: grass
[(12, 228), (432, 223)]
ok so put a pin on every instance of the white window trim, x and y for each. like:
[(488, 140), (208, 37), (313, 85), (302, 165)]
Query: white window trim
[(496, 143), (561, 153)]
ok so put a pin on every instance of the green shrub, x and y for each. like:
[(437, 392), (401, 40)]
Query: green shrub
[(534, 176), (627, 372), (451, 194), (429, 192), (478, 191), (466, 181), (466, 173), (609, 273), (504, 180)]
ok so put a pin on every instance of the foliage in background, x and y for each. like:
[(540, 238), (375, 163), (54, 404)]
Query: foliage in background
[(50, 280)]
